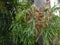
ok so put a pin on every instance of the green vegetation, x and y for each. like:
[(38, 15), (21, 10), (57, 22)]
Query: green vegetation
[(18, 24)]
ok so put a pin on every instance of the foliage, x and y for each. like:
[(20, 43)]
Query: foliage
[(8, 11), (48, 24), (23, 31), (20, 23), (51, 27), (51, 32)]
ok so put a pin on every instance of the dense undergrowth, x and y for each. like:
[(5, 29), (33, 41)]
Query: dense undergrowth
[(22, 24)]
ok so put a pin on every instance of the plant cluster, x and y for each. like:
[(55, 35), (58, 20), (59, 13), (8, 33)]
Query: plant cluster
[(23, 24)]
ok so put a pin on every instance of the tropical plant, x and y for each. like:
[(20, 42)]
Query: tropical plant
[(23, 31), (21, 24), (50, 27)]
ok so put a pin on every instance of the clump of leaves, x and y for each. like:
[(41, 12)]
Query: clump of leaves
[(23, 30), (47, 23), (51, 32)]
